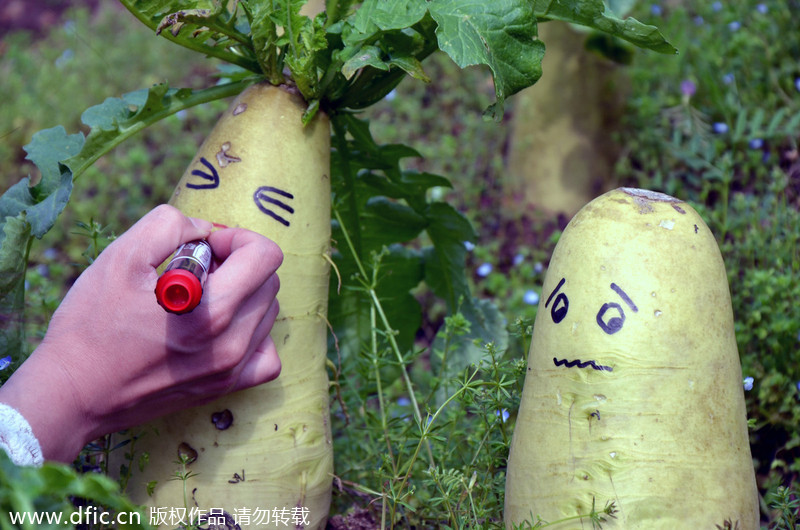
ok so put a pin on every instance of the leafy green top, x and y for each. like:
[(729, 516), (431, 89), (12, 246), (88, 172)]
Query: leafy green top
[(350, 58)]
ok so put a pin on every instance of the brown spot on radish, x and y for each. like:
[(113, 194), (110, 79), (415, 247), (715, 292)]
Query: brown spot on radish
[(649, 195), (241, 107), (679, 209), (645, 198), (222, 420), (224, 157), (186, 453)]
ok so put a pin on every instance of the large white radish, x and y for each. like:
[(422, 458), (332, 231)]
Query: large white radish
[(633, 393), (266, 451)]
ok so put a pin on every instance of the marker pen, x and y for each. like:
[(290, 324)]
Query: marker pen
[(180, 287)]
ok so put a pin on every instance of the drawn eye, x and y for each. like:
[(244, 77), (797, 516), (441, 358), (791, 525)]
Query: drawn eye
[(612, 323), (561, 305)]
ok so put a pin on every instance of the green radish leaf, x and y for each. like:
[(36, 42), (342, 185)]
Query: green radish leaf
[(27, 211), (391, 221), (389, 14), (445, 262), (359, 130), (15, 235), (200, 25), (410, 186), (500, 34), (412, 66), (43, 202), (367, 56), (338, 9), (610, 47), (593, 14), (264, 34), (15, 238)]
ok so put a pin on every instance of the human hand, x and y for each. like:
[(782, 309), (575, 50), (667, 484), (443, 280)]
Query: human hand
[(112, 358)]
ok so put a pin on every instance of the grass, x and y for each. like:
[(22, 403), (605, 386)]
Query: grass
[(729, 145)]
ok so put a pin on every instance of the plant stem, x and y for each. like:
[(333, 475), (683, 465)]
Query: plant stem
[(80, 164), (425, 429), (379, 384)]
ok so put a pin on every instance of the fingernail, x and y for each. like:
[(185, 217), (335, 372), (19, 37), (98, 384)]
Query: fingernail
[(201, 224)]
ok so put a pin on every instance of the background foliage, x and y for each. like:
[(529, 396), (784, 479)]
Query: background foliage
[(717, 125)]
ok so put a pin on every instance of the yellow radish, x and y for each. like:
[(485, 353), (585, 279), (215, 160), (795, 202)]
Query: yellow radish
[(633, 393), (261, 169)]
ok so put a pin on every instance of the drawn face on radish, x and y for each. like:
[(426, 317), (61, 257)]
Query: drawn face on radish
[(633, 387), (610, 319)]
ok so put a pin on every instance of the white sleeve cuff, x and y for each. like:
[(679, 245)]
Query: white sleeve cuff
[(17, 438)]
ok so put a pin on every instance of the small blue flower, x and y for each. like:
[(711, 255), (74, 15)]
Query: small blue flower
[(699, 21), (735, 25), (748, 383), (716, 6), (518, 259), (538, 268), (502, 414), (728, 79), (391, 95), (484, 270), (762, 8), (5, 362), (65, 57), (531, 297), (43, 270), (756, 143), (656, 10), (403, 401), (688, 88), (720, 127), (797, 84), (798, 385), (469, 246)]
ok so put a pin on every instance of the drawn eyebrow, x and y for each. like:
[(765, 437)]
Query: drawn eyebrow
[(549, 298), (625, 298)]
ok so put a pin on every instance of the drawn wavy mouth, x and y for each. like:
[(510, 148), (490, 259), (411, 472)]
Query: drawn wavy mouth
[(582, 364)]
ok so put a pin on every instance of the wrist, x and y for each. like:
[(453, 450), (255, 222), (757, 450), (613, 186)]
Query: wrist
[(42, 392)]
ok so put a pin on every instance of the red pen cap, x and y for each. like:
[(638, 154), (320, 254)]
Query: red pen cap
[(178, 291)]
